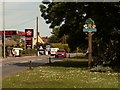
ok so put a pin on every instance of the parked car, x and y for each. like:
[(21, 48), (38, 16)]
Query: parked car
[(41, 50), (16, 51), (53, 51), (60, 53)]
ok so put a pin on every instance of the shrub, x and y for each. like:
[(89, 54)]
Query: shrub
[(27, 52)]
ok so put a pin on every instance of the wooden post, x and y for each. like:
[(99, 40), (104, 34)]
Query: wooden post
[(30, 65), (89, 27), (89, 49), (49, 59), (69, 55)]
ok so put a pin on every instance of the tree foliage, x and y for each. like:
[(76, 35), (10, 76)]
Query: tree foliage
[(70, 17), (54, 37)]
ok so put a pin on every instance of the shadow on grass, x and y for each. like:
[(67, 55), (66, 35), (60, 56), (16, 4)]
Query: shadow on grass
[(70, 63), (79, 57), (27, 64)]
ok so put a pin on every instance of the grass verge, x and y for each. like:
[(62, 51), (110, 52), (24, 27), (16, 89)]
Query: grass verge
[(62, 74)]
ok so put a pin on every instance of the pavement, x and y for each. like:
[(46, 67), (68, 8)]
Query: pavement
[(18, 58), (33, 56)]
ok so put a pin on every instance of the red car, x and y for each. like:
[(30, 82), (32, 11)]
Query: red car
[(60, 53)]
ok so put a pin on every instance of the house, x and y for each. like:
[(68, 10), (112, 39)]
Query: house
[(45, 39), (39, 40)]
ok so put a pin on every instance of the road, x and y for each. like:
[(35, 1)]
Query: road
[(13, 65)]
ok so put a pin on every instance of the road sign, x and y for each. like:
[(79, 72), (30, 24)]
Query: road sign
[(89, 26), (28, 43), (89, 29), (85, 29), (93, 29), (28, 32), (89, 21)]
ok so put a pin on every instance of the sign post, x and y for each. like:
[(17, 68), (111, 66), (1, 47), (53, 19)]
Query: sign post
[(90, 49), (89, 28)]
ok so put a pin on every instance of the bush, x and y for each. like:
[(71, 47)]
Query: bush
[(27, 52)]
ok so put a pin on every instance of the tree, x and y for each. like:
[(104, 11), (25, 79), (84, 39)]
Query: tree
[(70, 17), (69, 24), (54, 38)]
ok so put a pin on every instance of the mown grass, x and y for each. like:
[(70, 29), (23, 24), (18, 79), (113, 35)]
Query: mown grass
[(62, 74)]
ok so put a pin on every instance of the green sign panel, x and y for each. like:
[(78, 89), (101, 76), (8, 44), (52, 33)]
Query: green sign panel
[(89, 26), (89, 21), (89, 29)]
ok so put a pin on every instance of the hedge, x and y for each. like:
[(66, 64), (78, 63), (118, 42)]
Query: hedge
[(27, 52), (60, 46)]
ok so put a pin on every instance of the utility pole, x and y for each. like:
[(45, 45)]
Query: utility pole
[(37, 33)]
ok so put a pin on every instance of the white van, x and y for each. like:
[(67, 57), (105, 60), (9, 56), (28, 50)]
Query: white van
[(16, 51), (53, 51)]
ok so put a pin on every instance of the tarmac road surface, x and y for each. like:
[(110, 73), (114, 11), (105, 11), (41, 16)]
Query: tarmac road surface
[(12, 65)]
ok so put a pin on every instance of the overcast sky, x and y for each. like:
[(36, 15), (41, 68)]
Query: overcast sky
[(22, 15)]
